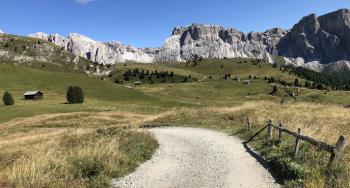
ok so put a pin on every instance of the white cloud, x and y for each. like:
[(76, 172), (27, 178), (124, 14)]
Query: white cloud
[(84, 2)]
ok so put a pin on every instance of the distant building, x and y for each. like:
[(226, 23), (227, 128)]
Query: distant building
[(137, 83), (246, 82), (236, 78), (33, 95)]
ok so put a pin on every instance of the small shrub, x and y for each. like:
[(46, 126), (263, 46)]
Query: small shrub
[(8, 99), (274, 89)]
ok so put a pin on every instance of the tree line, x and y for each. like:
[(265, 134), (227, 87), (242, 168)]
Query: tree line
[(151, 76), (316, 80)]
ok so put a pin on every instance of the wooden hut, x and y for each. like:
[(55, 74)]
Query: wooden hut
[(33, 95)]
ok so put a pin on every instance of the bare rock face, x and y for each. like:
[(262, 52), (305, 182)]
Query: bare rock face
[(100, 52), (314, 42), (212, 41), (340, 68), (325, 39)]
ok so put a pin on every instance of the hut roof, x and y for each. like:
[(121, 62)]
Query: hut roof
[(32, 92)]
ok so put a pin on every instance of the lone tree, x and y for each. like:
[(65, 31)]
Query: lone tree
[(75, 95), (8, 99)]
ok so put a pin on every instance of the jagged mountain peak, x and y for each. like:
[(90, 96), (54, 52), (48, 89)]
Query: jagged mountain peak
[(312, 42), (342, 14), (325, 38)]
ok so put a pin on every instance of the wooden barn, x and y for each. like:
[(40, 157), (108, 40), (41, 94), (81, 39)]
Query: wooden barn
[(33, 95), (247, 82), (137, 83)]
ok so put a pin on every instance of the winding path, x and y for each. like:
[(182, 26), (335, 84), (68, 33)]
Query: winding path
[(193, 157)]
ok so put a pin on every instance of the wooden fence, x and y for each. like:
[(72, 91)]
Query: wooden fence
[(335, 150)]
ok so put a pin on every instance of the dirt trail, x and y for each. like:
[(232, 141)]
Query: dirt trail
[(193, 157)]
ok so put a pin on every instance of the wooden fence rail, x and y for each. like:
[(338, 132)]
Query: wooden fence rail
[(335, 151)]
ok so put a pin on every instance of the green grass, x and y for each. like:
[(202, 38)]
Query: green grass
[(236, 67), (100, 95)]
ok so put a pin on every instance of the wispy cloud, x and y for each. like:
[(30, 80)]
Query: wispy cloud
[(84, 2)]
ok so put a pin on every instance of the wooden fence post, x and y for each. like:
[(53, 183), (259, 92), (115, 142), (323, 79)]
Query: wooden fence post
[(338, 150), (248, 124), (269, 132), (280, 133), (297, 143)]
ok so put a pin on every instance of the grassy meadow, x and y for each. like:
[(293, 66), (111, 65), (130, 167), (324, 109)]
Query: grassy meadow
[(48, 143)]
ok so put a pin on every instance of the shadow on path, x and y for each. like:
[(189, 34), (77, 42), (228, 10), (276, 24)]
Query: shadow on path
[(263, 162)]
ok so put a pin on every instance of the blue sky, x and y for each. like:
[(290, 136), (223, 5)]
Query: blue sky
[(146, 23)]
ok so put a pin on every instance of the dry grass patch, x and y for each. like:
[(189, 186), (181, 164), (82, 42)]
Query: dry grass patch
[(72, 150)]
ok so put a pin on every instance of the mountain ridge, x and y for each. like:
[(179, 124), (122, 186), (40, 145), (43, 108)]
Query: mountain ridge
[(100, 52), (316, 42)]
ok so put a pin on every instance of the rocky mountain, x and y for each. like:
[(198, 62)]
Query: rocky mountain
[(186, 43), (212, 41), (325, 39), (318, 43), (100, 52), (35, 52)]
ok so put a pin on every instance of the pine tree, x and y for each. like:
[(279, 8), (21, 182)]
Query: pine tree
[(8, 99), (307, 84), (296, 82)]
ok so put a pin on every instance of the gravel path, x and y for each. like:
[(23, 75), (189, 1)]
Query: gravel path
[(193, 157)]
